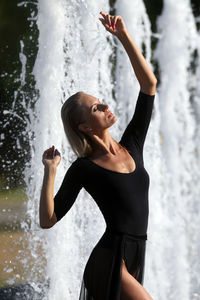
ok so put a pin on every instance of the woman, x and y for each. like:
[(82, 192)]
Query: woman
[(114, 175)]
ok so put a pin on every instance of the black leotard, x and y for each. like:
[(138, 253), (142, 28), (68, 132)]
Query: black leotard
[(123, 201)]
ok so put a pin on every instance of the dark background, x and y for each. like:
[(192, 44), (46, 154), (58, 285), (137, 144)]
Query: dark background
[(15, 26), (18, 23)]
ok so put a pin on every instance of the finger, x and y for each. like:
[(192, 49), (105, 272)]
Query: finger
[(45, 153), (48, 154), (57, 152), (47, 150), (103, 14), (108, 19), (105, 24), (115, 21), (52, 151), (45, 156), (112, 22)]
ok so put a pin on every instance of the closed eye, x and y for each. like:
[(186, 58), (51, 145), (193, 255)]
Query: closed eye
[(95, 108)]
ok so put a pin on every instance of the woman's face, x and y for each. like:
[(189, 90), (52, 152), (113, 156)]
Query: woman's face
[(97, 115)]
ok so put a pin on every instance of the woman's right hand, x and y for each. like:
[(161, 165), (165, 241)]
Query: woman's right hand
[(113, 24), (51, 157)]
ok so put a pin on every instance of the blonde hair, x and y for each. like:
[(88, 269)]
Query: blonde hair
[(72, 116)]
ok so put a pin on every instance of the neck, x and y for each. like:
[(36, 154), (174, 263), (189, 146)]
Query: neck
[(103, 143)]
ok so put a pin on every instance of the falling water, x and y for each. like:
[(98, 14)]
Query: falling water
[(180, 146), (76, 53)]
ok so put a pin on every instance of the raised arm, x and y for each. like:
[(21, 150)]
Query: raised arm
[(68, 191), (50, 159), (136, 131), (53, 208), (145, 76)]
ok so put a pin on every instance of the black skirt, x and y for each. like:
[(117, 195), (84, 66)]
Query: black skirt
[(102, 274)]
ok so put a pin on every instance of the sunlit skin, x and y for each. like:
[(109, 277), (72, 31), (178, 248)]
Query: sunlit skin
[(106, 151), (97, 115)]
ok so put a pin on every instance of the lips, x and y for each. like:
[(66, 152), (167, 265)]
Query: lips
[(110, 114)]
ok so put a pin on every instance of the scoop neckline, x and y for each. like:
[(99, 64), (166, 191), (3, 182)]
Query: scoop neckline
[(112, 171)]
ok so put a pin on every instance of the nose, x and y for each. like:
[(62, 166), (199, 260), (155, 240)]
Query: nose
[(106, 107)]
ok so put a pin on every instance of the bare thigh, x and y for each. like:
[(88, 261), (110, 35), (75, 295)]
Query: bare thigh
[(131, 289)]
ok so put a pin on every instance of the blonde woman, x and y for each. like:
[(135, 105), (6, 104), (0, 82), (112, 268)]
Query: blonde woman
[(113, 174)]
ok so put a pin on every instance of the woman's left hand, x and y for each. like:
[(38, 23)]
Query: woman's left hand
[(113, 24)]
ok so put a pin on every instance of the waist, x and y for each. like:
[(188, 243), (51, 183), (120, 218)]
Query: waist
[(126, 235)]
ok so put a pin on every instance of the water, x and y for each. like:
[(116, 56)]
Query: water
[(180, 151), (76, 53)]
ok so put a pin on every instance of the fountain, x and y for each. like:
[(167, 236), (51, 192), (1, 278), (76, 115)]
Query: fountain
[(76, 53)]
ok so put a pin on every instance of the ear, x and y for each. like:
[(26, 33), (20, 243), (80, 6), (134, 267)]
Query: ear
[(84, 128)]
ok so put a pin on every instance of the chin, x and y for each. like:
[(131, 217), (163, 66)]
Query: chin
[(113, 121)]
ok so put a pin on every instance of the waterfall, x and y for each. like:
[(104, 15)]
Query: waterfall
[(178, 127), (76, 53)]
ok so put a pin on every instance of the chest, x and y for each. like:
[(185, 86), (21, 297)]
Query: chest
[(122, 162), (102, 183)]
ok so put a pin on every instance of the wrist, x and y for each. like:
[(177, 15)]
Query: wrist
[(50, 168), (122, 35)]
